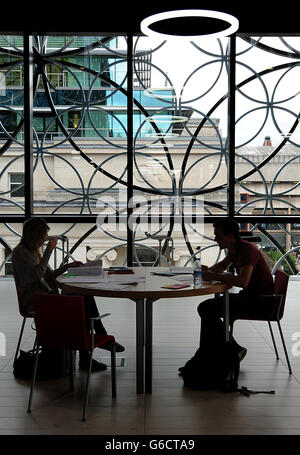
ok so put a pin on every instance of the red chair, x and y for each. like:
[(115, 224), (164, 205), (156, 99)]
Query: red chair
[(60, 323), (272, 309), (23, 313)]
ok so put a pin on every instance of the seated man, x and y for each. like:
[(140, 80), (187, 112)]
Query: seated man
[(253, 275)]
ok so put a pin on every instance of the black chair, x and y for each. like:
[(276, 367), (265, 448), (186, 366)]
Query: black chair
[(24, 314), (272, 310)]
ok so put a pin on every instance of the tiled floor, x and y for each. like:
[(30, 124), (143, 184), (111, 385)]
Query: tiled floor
[(171, 409)]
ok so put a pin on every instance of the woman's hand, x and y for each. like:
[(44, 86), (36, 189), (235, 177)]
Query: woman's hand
[(74, 264), (52, 243)]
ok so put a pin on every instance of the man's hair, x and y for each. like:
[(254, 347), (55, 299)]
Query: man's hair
[(228, 226)]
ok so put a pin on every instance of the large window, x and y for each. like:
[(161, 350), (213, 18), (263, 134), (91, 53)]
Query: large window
[(129, 135)]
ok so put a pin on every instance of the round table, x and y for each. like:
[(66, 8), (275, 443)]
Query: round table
[(144, 293)]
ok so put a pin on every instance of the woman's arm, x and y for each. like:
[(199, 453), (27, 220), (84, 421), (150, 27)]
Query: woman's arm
[(27, 268), (65, 267)]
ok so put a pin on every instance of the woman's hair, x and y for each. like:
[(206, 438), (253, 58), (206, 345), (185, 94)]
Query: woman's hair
[(34, 230)]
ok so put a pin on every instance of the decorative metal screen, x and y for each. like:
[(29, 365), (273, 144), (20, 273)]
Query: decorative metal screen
[(132, 136)]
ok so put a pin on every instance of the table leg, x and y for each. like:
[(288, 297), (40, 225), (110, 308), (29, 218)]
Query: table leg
[(226, 314), (149, 342), (140, 344)]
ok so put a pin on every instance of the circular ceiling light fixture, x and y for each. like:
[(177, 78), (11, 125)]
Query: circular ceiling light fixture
[(206, 23)]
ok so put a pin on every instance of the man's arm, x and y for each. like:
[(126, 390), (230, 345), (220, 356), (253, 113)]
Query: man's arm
[(221, 266), (241, 280)]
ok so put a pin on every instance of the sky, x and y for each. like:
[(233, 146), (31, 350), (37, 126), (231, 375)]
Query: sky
[(195, 77)]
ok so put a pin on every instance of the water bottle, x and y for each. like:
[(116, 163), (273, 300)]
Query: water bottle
[(197, 274)]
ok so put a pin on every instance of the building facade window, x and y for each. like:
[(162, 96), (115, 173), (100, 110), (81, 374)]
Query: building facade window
[(16, 184)]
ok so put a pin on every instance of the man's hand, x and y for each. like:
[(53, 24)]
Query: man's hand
[(208, 275), (241, 280)]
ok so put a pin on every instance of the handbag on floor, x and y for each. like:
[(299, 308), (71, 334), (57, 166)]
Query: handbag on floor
[(52, 364)]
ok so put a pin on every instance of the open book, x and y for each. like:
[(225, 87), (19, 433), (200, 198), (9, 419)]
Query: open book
[(90, 268)]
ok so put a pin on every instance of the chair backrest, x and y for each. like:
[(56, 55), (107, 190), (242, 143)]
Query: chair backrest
[(60, 321), (280, 287), (21, 306)]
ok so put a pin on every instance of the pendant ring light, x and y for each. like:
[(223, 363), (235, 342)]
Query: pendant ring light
[(167, 15)]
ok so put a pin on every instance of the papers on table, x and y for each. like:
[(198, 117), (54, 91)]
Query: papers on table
[(134, 278), (174, 271), (183, 278), (93, 268), (112, 281), (190, 279), (107, 286), (182, 270), (72, 278), (166, 273)]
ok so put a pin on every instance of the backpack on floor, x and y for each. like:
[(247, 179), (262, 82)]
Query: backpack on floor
[(52, 364), (219, 371)]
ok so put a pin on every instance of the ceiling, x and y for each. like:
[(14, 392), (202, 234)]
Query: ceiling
[(122, 17)]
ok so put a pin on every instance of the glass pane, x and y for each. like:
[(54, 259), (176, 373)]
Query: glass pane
[(280, 245), (180, 144), (76, 241), (11, 124), (80, 134), (267, 125)]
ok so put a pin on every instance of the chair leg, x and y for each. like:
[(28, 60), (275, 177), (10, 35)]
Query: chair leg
[(273, 339), (33, 378), (34, 345), (113, 372), (284, 347), (19, 340), (231, 331), (71, 368), (87, 385)]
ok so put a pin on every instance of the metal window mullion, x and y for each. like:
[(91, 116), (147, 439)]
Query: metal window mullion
[(231, 128), (129, 147), (28, 124)]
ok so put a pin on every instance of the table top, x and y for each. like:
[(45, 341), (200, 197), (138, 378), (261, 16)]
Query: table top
[(151, 287)]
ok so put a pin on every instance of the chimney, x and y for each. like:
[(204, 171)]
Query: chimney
[(267, 141)]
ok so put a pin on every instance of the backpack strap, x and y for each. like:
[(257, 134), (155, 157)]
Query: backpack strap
[(245, 391)]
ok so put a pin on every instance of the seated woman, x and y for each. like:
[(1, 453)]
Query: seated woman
[(33, 275)]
